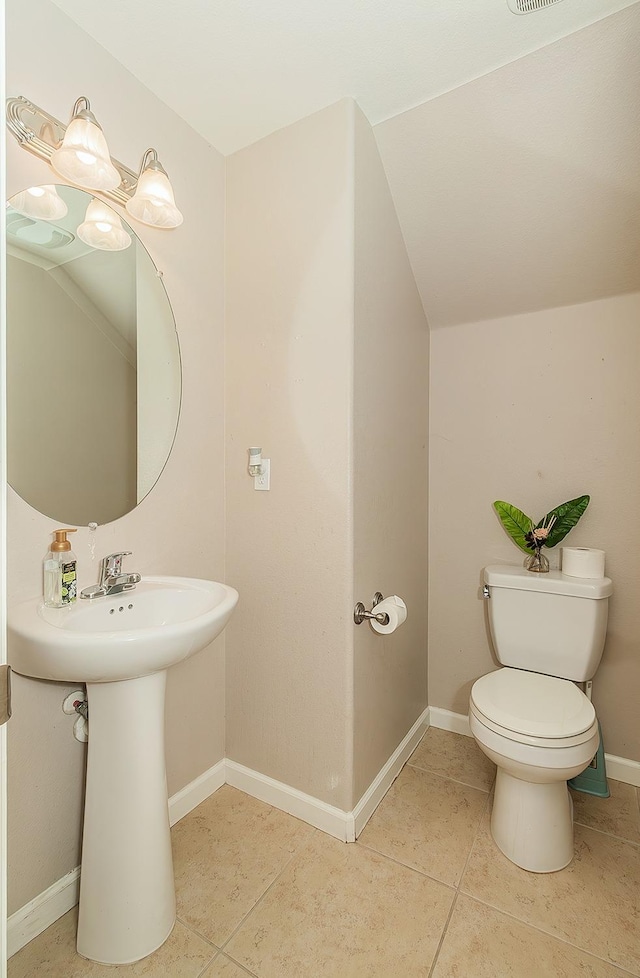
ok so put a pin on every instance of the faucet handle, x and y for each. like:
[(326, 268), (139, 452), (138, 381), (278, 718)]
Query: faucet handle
[(112, 564)]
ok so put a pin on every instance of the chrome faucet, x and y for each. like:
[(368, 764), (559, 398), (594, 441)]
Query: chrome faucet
[(112, 579)]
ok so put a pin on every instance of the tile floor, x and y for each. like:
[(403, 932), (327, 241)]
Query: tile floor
[(424, 892)]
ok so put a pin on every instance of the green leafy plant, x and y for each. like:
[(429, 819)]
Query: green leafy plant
[(549, 531)]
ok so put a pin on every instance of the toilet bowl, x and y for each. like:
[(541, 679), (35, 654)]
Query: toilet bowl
[(540, 731)]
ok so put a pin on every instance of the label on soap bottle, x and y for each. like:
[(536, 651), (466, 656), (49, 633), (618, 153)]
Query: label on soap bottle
[(69, 585)]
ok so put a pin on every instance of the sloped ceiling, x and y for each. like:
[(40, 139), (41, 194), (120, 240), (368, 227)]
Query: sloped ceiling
[(238, 71), (518, 190), (521, 190)]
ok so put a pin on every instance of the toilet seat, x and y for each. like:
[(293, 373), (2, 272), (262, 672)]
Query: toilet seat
[(531, 708), (552, 744)]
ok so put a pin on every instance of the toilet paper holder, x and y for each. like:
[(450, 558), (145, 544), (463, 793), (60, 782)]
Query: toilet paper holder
[(360, 614)]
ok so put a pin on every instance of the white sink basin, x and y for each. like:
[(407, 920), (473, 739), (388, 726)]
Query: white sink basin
[(121, 646), (123, 636)]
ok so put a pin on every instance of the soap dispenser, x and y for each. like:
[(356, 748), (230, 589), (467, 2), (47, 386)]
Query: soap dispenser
[(60, 585)]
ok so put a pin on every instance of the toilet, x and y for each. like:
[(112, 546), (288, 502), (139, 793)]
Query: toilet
[(530, 717)]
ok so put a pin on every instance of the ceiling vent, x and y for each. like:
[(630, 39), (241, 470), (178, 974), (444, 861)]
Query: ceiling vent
[(40, 233), (529, 6)]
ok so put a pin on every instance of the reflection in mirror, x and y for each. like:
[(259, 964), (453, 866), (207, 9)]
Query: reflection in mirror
[(93, 364)]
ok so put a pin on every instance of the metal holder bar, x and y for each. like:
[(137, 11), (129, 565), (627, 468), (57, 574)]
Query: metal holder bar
[(360, 614), (41, 134)]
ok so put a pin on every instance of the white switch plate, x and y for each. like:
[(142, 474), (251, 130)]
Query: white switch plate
[(263, 481)]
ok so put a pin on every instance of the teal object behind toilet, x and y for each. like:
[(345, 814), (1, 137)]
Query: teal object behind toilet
[(593, 780)]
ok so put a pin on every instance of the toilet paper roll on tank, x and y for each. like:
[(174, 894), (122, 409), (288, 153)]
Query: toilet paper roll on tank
[(396, 610), (582, 562)]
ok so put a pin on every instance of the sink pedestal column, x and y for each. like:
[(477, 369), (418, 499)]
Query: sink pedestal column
[(127, 895)]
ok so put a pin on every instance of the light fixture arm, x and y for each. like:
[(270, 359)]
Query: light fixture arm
[(84, 112), (76, 108), (150, 161), (41, 134), (150, 156)]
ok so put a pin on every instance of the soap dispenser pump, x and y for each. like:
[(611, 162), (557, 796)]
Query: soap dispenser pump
[(60, 572)]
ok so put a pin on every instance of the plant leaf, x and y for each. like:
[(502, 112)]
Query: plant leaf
[(567, 515), (515, 523)]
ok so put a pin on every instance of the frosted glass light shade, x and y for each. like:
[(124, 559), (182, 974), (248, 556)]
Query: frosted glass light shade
[(102, 228), (153, 202), (84, 158), (40, 203)]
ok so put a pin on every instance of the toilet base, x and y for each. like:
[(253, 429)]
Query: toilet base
[(532, 824)]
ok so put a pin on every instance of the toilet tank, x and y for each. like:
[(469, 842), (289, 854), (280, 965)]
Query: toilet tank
[(547, 623)]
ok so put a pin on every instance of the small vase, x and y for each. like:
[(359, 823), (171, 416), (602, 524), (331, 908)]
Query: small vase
[(537, 563)]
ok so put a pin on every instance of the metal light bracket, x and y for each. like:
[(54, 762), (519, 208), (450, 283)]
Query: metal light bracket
[(41, 134)]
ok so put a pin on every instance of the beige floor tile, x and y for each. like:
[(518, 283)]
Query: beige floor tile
[(427, 822), (484, 943), (226, 853), (618, 815), (224, 967), (454, 756), (594, 903), (53, 955), (342, 911)]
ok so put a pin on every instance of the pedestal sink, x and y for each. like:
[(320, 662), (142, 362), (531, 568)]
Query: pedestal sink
[(121, 647)]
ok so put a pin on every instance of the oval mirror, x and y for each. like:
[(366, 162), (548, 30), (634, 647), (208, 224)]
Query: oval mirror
[(93, 362)]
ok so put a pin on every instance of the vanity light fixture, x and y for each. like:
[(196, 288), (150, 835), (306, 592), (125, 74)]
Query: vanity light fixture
[(83, 158), (40, 203), (79, 153), (102, 228), (153, 202)]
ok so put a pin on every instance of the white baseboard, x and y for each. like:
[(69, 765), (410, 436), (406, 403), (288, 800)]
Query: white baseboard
[(331, 820), (42, 911), (622, 769), (345, 826), (618, 768), (47, 907), (446, 720), (189, 797), (381, 784)]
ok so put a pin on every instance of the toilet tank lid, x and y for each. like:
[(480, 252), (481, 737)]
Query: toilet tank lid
[(554, 582)]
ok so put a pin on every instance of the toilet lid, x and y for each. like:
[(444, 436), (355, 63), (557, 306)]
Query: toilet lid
[(533, 704)]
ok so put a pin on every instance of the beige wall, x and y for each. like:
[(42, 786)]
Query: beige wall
[(520, 190), (535, 409), (179, 526), (327, 369), (390, 489), (289, 350), (327, 364)]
